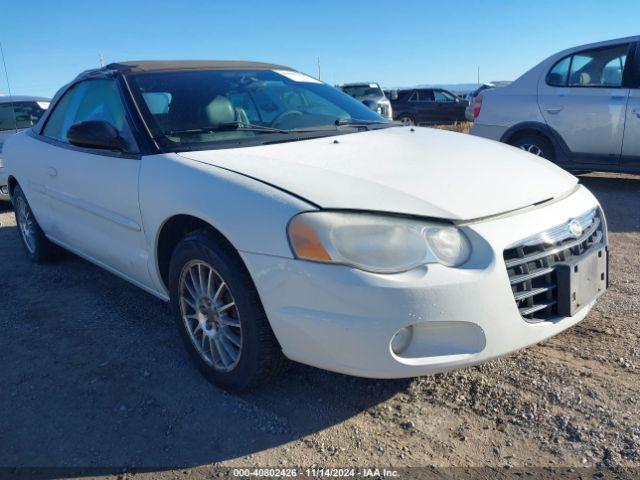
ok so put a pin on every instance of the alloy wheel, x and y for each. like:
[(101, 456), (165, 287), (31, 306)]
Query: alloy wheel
[(532, 148), (406, 121), (26, 224), (210, 315)]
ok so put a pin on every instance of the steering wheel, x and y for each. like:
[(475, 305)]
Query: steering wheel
[(287, 113)]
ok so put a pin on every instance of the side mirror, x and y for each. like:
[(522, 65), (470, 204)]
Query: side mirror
[(394, 95), (95, 134)]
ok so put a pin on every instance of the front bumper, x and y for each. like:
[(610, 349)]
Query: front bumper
[(342, 319)]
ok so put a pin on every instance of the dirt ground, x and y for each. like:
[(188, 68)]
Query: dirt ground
[(93, 374)]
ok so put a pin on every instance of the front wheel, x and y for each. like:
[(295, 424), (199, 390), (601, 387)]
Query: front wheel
[(220, 316), (39, 249)]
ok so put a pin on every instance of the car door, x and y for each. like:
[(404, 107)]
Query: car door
[(411, 105), (426, 106), (584, 100), (448, 107), (93, 193), (630, 159)]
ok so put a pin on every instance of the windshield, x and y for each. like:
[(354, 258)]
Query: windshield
[(192, 109), (19, 115), (368, 90)]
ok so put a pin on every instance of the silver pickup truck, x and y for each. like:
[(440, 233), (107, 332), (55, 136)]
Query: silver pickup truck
[(371, 95)]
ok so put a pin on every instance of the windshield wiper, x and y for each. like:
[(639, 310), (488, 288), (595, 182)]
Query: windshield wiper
[(229, 126), (317, 128), (354, 122), (249, 127)]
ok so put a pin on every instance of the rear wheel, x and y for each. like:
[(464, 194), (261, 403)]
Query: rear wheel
[(536, 145), (220, 315), (39, 249)]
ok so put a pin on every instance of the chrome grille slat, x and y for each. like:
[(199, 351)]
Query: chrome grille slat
[(530, 293), (558, 232), (530, 276), (531, 263), (585, 236), (536, 308)]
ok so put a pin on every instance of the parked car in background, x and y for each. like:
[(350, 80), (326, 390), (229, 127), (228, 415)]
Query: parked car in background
[(428, 106), (321, 233), (17, 113), (468, 113), (579, 108), (371, 95)]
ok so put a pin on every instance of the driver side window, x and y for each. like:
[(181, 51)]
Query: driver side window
[(88, 100), (442, 96), (425, 96)]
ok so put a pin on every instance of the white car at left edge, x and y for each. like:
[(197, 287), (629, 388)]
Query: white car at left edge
[(17, 112)]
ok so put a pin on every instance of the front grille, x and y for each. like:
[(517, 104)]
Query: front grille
[(383, 110), (531, 263)]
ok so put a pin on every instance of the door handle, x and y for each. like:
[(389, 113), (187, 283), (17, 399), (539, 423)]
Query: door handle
[(553, 110), (636, 111), (52, 172)]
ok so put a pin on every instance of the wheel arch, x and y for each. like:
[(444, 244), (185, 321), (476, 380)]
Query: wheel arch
[(561, 151), (12, 183), (173, 230), (526, 128)]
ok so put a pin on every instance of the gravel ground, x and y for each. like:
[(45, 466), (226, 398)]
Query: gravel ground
[(93, 374)]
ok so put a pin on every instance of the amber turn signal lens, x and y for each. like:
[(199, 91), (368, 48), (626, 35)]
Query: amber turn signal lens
[(305, 241)]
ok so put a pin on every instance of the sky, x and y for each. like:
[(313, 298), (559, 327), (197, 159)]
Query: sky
[(47, 43)]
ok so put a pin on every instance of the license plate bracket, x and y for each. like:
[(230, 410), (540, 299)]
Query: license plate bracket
[(580, 281)]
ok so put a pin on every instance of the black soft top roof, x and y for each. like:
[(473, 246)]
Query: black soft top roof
[(140, 66)]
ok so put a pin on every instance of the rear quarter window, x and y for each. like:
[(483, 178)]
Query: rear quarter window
[(559, 73)]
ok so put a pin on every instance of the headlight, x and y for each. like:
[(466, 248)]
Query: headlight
[(376, 243)]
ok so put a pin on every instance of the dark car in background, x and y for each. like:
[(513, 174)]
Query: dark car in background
[(427, 106)]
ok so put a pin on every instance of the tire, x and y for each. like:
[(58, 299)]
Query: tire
[(212, 335), (407, 120), (536, 145), (38, 248)]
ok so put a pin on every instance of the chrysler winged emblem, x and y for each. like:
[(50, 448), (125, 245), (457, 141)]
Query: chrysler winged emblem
[(575, 228)]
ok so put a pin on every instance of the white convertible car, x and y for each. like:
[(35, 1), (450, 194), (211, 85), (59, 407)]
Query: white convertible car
[(284, 219)]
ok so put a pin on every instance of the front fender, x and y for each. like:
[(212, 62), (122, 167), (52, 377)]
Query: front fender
[(252, 215)]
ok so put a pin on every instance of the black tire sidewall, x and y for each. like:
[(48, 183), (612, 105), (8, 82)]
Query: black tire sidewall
[(251, 313)]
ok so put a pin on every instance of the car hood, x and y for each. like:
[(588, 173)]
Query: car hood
[(419, 171)]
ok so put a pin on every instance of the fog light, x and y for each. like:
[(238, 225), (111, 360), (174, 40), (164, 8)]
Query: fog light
[(4, 190), (401, 340)]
